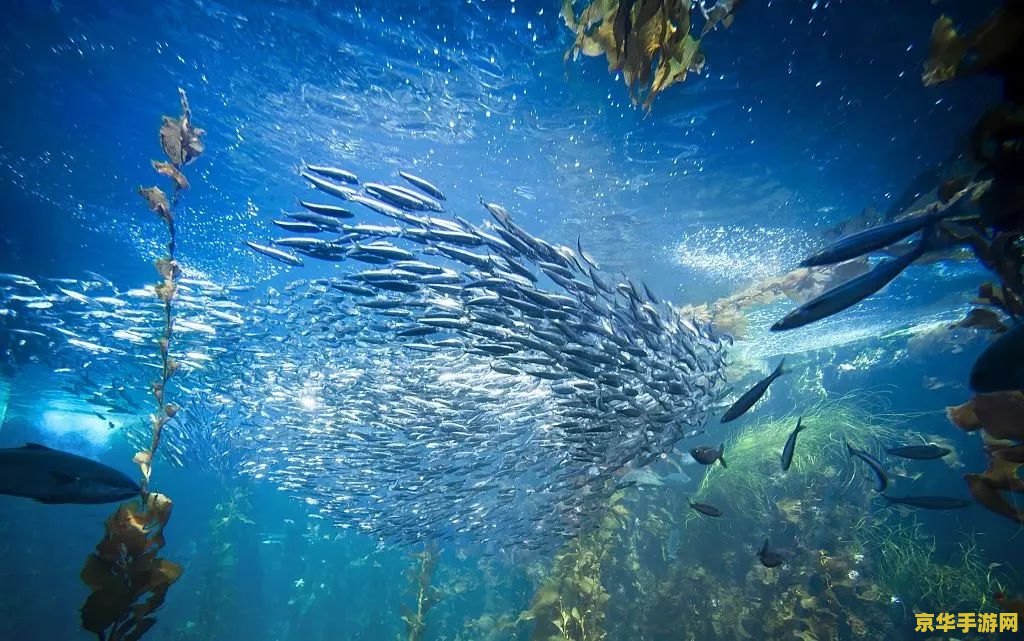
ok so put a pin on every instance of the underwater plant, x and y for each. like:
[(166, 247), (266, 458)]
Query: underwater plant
[(426, 595), (1000, 418), (651, 42), (905, 562), (127, 578), (848, 573), (995, 234), (219, 595), (569, 604)]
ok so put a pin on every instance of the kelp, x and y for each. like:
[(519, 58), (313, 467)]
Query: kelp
[(651, 42), (994, 233), (799, 285), (425, 595), (1000, 417), (569, 604), (127, 578), (992, 48)]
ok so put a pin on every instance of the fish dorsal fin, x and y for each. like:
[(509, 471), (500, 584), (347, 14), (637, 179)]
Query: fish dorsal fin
[(34, 446), (64, 478)]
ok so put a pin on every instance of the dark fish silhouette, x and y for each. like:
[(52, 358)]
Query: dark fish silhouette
[(38, 472), (873, 239), (708, 455), (1000, 368), (852, 291), (787, 452), (769, 558), (752, 395), (919, 452), (881, 479), (929, 502), (704, 508)]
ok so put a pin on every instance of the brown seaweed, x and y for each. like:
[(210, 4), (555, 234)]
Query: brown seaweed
[(991, 48), (651, 42), (128, 580)]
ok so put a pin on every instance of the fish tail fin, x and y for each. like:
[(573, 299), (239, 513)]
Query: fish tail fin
[(721, 455), (764, 547), (781, 369), (800, 425)]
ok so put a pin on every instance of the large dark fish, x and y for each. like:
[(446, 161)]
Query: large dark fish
[(851, 292), (769, 558), (1000, 368), (787, 452), (929, 502), (705, 509), (881, 479), (38, 472), (873, 239), (919, 452), (752, 395), (708, 455)]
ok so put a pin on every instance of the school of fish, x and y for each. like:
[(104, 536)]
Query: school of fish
[(454, 381)]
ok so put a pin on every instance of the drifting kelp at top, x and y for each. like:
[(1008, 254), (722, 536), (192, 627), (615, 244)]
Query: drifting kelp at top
[(128, 580), (651, 42)]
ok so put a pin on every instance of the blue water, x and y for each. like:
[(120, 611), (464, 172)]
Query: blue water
[(806, 113)]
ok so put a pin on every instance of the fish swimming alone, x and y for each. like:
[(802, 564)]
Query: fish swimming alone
[(752, 395), (929, 502), (47, 475), (787, 451), (919, 452), (705, 509), (1000, 368), (881, 479), (708, 455), (769, 558)]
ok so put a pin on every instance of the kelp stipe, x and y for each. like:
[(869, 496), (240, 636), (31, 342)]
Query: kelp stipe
[(421, 575), (128, 579), (570, 603)]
